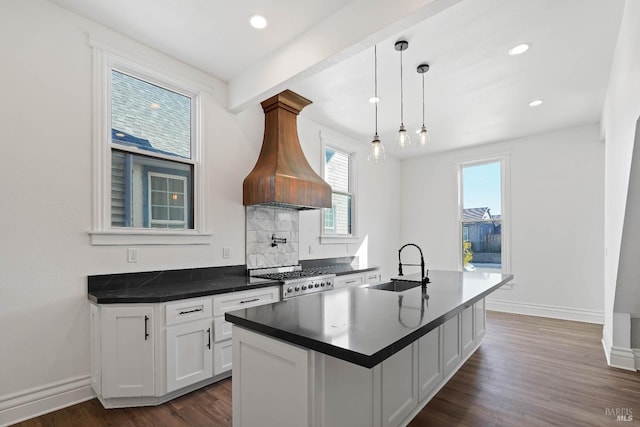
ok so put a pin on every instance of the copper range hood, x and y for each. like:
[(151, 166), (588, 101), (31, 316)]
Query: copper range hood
[(282, 176)]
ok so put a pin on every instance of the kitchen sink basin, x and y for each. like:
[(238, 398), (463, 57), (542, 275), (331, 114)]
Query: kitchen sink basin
[(395, 285)]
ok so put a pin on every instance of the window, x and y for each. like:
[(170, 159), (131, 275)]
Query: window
[(482, 215), (148, 169), (338, 172)]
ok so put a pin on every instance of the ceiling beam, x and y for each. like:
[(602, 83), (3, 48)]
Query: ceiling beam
[(355, 27)]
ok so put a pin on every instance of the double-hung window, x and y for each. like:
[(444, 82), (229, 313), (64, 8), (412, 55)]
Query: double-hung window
[(483, 214), (339, 220), (147, 155)]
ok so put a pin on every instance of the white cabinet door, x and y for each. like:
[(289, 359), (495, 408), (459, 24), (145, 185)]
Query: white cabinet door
[(189, 353), (399, 386), (467, 334), (480, 319), (223, 358), (451, 344), (127, 351), (349, 280), (430, 365)]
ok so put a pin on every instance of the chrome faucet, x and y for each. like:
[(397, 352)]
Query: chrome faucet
[(424, 277)]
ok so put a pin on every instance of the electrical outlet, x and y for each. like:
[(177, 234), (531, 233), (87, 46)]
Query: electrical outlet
[(310, 249), (226, 252), (132, 255)]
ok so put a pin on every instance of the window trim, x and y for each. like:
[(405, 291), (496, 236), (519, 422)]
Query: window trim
[(342, 238), (106, 58), (505, 201)]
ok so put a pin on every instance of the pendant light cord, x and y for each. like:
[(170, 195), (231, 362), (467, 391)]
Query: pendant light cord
[(375, 78), (401, 94), (422, 99)]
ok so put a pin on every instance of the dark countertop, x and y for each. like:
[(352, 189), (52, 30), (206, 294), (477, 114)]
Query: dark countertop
[(171, 285), (366, 326)]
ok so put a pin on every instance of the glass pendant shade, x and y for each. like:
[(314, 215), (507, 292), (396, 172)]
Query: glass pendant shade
[(402, 138), (423, 137), (376, 150)]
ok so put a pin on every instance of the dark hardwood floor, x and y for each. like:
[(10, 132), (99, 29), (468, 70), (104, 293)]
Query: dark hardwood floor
[(529, 372)]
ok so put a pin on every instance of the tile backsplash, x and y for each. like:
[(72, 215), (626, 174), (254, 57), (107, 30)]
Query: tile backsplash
[(264, 223)]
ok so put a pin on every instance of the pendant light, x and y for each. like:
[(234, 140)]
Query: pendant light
[(402, 139), (376, 150), (423, 137)]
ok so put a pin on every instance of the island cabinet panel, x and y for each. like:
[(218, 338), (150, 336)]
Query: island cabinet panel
[(262, 365), (480, 319), (467, 333), (399, 386), (127, 351), (451, 344), (347, 392), (430, 364)]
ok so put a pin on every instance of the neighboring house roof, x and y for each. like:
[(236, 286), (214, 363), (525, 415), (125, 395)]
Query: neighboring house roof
[(476, 214), (126, 139)]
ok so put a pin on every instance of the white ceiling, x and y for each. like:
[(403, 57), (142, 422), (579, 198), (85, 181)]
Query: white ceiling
[(475, 92)]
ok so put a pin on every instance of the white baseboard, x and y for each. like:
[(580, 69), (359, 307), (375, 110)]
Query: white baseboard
[(623, 358), (636, 356), (555, 312), (41, 400)]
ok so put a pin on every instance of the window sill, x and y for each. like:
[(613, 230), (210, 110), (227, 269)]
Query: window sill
[(336, 240), (148, 237)]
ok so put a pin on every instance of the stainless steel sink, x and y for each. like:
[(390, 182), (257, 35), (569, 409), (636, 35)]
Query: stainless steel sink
[(395, 285)]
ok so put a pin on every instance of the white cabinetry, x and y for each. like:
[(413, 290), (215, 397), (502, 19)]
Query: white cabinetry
[(399, 386), (372, 277), (189, 342), (349, 280), (430, 365), (222, 360), (324, 391), (467, 334), (127, 360)]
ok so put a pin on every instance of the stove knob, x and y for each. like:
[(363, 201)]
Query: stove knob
[(304, 287), (322, 284), (317, 285), (297, 288), (289, 289)]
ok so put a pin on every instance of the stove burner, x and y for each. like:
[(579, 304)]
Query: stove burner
[(291, 275)]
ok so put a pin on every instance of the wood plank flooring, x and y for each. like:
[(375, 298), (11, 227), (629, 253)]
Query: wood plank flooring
[(529, 372)]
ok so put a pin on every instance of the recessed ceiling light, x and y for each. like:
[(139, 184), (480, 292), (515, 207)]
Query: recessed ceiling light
[(374, 99), (535, 103), (154, 105), (258, 21), (120, 135), (519, 49)]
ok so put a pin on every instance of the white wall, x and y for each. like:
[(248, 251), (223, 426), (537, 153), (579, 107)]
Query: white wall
[(621, 113), (45, 168), (556, 199), (378, 203)]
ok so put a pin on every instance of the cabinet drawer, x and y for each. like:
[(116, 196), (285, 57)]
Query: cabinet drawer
[(349, 280), (373, 277), (221, 329), (244, 299), (188, 310)]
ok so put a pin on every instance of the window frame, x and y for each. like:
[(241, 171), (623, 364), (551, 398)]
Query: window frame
[(353, 236), (505, 206), (107, 58)]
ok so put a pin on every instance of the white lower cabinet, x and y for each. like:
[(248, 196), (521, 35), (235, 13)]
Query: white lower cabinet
[(328, 392), (127, 358), (452, 353), (430, 365), (372, 277), (349, 280), (222, 353), (480, 319), (189, 353), (467, 333), (399, 386)]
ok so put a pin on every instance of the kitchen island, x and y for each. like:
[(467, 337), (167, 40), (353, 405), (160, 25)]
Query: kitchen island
[(358, 356)]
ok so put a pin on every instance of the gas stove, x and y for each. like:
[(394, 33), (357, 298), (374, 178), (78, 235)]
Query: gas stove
[(295, 281)]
